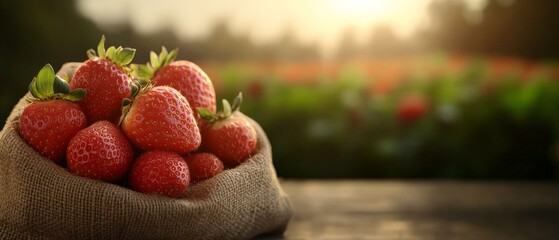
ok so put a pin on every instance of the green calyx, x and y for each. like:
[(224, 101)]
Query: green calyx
[(137, 88), (228, 109), (119, 56), (47, 85), (147, 71)]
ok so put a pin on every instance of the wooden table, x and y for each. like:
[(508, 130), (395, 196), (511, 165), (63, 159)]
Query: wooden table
[(345, 209)]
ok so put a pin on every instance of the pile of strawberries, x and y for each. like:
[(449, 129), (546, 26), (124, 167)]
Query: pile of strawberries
[(152, 127)]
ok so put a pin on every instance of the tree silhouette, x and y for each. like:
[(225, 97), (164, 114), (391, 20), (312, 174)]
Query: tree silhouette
[(449, 27), (348, 47), (288, 47), (384, 42), (520, 28)]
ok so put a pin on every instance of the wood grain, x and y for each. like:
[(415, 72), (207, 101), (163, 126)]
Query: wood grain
[(346, 209)]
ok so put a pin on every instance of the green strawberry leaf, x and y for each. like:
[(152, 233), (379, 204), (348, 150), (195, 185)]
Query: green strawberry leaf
[(226, 108), (154, 59), (134, 89), (126, 102), (141, 71), (225, 113), (91, 53), (126, 105), (146, 71), (171, 57), (60, 86), (121, 56), (76, 95), (205, 114), (144, 82), (42, 85), (237, 102), (162, 57), (46, 86), (101, 47), (33, 88), (111, 52), (125, 56)]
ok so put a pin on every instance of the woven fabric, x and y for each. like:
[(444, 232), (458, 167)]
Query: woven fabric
[(41, 200)]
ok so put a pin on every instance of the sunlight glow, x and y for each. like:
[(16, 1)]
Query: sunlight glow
[(320, 22), (359, 8)]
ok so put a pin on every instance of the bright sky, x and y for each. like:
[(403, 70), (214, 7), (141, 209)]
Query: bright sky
[(317, 21)]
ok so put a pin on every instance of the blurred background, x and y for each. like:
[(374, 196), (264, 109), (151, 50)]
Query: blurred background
[(430, 89)]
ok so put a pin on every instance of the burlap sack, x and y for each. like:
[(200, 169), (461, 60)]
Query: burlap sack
[(40, 200)]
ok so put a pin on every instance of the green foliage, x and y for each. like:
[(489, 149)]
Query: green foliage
[(476, 125)]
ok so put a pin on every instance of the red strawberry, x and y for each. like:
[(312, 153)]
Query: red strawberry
[(52, 118), (106, 79), (160, 118), (203, 166), (230, 137), (411, 107), (160, 172), (187, 77), (100, 151)]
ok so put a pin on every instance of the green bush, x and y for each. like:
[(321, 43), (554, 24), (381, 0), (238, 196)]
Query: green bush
[(476, 126)]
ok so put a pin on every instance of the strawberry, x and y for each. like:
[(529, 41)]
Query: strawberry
[(160, 118), (106, 79), (203, 166), (230, 137), (52, 118), (188, 78), (160, 172), (100, 151), (411, 108)]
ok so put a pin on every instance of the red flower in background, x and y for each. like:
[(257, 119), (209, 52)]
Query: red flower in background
[(411, 107), (255, 88)]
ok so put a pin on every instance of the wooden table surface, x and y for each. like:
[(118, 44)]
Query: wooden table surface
[(347, 209)]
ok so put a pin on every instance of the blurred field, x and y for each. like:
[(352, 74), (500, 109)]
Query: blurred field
[(442, 116), (370, 110)]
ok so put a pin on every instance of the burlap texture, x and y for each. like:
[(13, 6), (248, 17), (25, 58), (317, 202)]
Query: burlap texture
[(40, 200)]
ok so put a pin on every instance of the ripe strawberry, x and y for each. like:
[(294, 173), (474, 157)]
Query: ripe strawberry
[(106, 79), (203, 166), (160, 118), (100, 151), (52, 118), (230, 137), (160, 172), (411, 107), (191, 81)]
